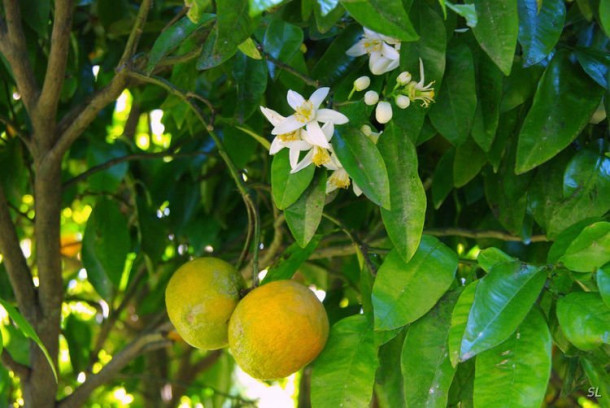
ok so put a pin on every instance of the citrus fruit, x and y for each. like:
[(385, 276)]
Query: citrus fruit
[(277, 329), (200, 298)]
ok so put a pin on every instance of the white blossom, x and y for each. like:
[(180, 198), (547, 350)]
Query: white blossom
[(383, 51)]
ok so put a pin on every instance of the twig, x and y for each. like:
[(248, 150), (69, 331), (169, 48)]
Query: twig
[(143, 343), (46, 105), (136, 33), (361, 245), (19, 273), (251, 209), (21, 370), (462, 232), (130, 157), (288, 68)]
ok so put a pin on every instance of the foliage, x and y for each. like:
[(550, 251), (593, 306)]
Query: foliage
[(453, 207)]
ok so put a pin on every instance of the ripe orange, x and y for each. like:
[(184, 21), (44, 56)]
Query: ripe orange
[(200, 298), (70, 245), (277, 329)]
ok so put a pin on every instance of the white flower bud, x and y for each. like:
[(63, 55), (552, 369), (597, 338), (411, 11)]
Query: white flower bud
[(362, 83), (383, 112), (404, 78), (403, 101), (371, 97), (366, 129)]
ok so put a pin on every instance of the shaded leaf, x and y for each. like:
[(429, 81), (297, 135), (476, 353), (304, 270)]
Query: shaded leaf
[(282, 40), (292, 258), (443, 178), (363, 162), (405, 291), (603, 283), (497, 30), (405, 221), (386, 17), (468, 162), (304, 216), (426, 368), (344, 373), (564, 101), (389, 388), (78, 337), (489, 80), (250, 81), (489, 257), (539, 28), (258, 6), (335, 63)]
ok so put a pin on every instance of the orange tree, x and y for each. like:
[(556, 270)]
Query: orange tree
[(439, 170)]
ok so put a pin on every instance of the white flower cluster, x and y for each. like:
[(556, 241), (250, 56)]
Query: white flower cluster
[(302, 132), (383, 51)]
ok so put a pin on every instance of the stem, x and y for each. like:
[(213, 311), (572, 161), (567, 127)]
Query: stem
[(251, 209), (288, 68), (364, 250), (463, 232)]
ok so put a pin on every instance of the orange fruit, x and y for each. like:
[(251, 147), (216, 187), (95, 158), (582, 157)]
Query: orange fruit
[(277, 329), (200, 298), (70, 245)]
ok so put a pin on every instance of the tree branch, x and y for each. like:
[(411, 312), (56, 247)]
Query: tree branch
[(58, 58), (14, 48), (21, 370), (16, 266), (144, 343), (358, 243), (501, 235), (134, 36)]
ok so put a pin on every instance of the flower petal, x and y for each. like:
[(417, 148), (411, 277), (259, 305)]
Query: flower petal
[(329, 115), (276, 146), (294, 99), (304, 163), (272, 116), (379, 65), (315, 136), (288, 125), (328, 129), (357, 190), (392, 65), (318, 96), (357, 49), (390, 52)]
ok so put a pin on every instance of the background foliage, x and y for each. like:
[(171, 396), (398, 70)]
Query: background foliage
[(473, 271)]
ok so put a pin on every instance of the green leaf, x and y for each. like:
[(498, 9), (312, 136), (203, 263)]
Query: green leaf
[(389, 388), (282, 41), (599, 380), (386, 17), (258, 6), (467, 11), (105, 246), (334, 64), (426, 368), (515, 374), (584, 319), (36, 15), (503, 298), (344, 373), (539, 28), (233, 26), (286, 187), (468, 162), (405, 221), (443, 178), (459, 318), (28, 331), (304, 216), (249, 48), (405, 291), (490, 257), (497, 30), (327, 13), (590, 249), (489, 91), (251, 81), (364, 164), (604, 15), (100, 152), (173, 36), (292, 259), (603, 283), (78, 337), (564, 101), (453, 112), (588, 173)]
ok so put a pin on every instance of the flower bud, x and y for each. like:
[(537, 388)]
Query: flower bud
[(371, 97), (362, 83), (366, 129), (404, 78), (403, 101), (383, 112)]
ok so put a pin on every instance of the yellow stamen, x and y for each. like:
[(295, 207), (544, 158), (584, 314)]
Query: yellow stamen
[(339, 179), (320, 156), (290, 137), (372, 46), (305, 113)]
